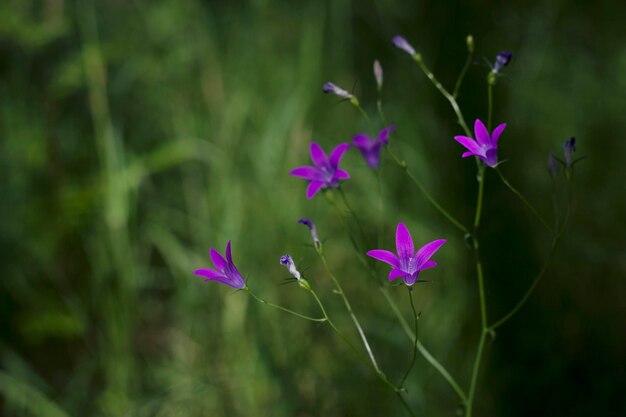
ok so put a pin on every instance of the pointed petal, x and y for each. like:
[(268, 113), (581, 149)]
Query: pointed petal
[(427, 251), (337, 154), (229, 256), (495, 135), (218, 260), (362, 142), (395, 273), (481, 133), (469, 143), (385, 256), (341, 174), (208, 273), (429, 264), (306, 172), (404, 245), (318, 156), (466, 154), (383, 135), (313, 188)]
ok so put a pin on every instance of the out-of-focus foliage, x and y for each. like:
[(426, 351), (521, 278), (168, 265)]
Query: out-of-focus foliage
[(135, 135)]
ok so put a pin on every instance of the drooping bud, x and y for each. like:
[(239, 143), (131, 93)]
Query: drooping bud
[(330, 88), (569, 146), (287, 262), (553, 166), (378, 74), (309, 223), (402, 43), (470, 43), (502, 60)]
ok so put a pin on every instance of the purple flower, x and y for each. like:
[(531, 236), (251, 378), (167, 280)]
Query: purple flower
[(288, 263), (407, 264), (309, 223), (569, 146), (333, 89), (402, 43), (225, 271), (326, 171), (370, 149), (378, 74), (485, 146), (553, 166), (502, 60)]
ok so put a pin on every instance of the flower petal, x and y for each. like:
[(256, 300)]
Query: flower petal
[(218, 260), (491, 157), (318, 156), (404, 245), (384, 134), (429, 264), (362, 142), (385, 256), (208, 273), (306, 172), (427, 251), (469, 143), (341, 174), (481, 133), (495, 135), (313, 188), (466, 154), (337, 154), (410, 279), (395, 273), (229, 256)]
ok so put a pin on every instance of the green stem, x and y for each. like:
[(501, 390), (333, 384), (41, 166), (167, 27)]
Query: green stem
[(489, 104), (261, 300), (472, 389), (459, 80), (416, 317), (521, 197), (353, 214), (479, 200), (445, 93), (428, 196), (366, 116), (355, 320)]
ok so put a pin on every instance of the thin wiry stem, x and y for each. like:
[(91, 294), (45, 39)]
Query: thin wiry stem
[(472, 389), (353, 214), (416, 317), (479, 199), (489, 104), (459, 80), (302, 316)]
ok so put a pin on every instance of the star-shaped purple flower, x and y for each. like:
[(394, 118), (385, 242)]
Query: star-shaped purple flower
[(225, 271), (485, 146), (407, 264), (326, 171), (370, 149)]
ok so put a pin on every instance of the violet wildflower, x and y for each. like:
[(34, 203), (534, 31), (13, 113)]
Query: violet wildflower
[(407, 263), (225, 271), (485, 146), (378, 74), (330, 88), (370, 149), (287, 262), (402, 43), (502, 60), (569, 146), (326, 172), (309, 223), (553, 166)]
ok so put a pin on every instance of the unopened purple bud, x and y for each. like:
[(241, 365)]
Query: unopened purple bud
[(330, 88), (402, 43), (309, 223), (553, 166), (502, 60), (568, 147), (378, 74), (287, 262)]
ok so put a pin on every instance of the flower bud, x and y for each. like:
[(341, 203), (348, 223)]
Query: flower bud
[(569, 146), (378, 74), (470, 43), (553, 166), (309, 223), (402, 43), (502, 60), (287, 262), (330, 88)]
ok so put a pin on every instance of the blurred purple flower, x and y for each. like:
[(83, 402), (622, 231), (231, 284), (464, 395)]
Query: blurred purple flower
[(326, 171), (370, 149), (485, 146), (553, 166), (402, 43), (288, 263), (330, 88), (569, 146), (407, 263), (502, 60), (378, 74), (309, 223), (225, 271)]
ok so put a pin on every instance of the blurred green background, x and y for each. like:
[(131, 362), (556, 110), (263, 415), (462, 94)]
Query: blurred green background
[(135, 135)]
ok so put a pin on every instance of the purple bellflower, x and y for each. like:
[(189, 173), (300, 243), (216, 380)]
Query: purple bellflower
[(569, 146), (402, 43), (309, 223), (225, 271), (326, 172), (330, 88), (370, 149), (407, 263), (485, 146), (502, 60)]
